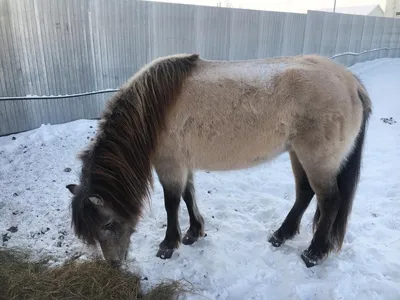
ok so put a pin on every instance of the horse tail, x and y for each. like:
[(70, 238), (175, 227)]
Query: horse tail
[(349, 175)]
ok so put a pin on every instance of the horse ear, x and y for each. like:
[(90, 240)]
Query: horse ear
[(96, 200), (73, 188)]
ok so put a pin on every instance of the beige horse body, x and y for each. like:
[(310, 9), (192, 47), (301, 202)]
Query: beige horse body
[(226, 116), (233, 115)]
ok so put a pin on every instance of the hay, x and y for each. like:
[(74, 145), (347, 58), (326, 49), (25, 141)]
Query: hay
[(21, 278)]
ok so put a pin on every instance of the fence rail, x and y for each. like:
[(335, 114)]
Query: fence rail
[(66, 47)]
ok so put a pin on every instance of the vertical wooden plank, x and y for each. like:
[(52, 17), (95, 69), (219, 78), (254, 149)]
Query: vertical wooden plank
[(244, 34), (5, 126), (270, 40), (386, 36), (394, 37), (397, 30), (313, 32), (173, 26), (213, 32), (343, 37), (377, 35), (366, 40), (293, 34), (329, 34), (357, 28)]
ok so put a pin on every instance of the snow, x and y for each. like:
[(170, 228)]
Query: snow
[(240, 208)]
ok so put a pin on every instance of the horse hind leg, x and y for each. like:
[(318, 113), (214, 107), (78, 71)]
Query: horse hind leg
[(173, 180), (304, 194), (196, 229), (328, 201), (322, 172)]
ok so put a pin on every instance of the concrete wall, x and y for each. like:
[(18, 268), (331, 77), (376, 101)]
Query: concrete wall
[(64, 47)]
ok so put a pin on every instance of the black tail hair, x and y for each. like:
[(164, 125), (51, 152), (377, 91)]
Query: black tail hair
[(349, 175)]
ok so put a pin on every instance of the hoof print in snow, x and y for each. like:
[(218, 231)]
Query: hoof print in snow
[(15, 195), (15, 213), (62, 234), (67, 170), (39, 233), (6, 237), (91, 126), (88, 138), (389, 121), (44, 230), (209, 192), (13, 229), (14, 138), (59, 244)]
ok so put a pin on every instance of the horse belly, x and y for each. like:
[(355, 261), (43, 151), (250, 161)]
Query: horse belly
[(227, 144), (219, 156)]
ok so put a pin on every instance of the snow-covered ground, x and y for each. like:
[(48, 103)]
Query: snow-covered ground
[(240, 209)]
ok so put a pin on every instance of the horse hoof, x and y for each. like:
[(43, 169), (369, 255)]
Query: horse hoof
[(165, 253), (275, 241), (309, 259), (189, 239)]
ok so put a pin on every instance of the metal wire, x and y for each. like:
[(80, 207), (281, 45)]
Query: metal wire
[(115, 90), (59, 96), (366, 51)]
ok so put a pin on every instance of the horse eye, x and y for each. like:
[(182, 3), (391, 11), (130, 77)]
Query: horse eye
[(108, 226)]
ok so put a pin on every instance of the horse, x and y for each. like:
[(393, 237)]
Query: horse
[(181, 113)]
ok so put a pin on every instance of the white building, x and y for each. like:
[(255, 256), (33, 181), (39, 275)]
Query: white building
[(392, 8)]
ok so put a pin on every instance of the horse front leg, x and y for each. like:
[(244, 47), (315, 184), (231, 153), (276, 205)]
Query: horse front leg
[(172, 197), (196, 229), (173, 177)]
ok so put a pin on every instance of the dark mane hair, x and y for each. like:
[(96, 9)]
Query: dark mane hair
[(117, 164)]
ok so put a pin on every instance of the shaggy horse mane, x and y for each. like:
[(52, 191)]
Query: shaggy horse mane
[(117, 164)]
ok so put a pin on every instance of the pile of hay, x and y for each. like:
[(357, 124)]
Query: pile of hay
[(21, 278)]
